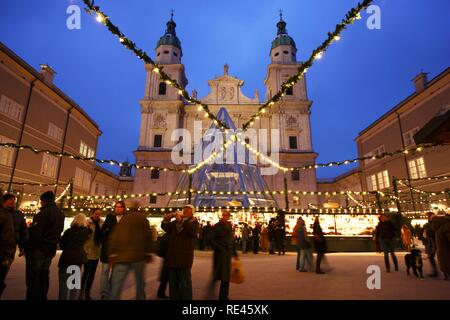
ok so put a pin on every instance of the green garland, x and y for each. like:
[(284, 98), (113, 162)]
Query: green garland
[(306, 167)]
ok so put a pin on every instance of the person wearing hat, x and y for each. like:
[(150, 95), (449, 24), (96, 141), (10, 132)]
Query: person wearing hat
[(40, 248), (182, 233)]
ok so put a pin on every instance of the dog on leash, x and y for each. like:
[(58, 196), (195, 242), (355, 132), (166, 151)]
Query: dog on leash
[(414, 260)]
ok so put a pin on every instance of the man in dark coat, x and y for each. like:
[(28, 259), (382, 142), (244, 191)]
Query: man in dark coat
[(20, 225), (110, 222), (319, 244), (8, 206), (7, 247), (430, 245), (271, 236), (222, 241), (256, 232), (280, 234), (40, 248), (180, 255), (385, 235)]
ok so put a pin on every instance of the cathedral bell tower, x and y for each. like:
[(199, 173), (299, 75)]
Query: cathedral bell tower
[(161, 113), (291, 115)]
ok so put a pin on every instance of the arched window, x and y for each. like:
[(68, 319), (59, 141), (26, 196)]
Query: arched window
[(162, 88)]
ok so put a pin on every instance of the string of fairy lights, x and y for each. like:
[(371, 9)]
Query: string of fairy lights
[(216, 154), (225, 193), (433, 193), (427, 179), (351, 16), (34, 184)]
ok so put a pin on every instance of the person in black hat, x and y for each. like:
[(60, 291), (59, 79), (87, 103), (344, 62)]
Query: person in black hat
[(44, 236)]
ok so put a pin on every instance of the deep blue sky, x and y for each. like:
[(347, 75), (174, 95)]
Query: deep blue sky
[(360, 77)]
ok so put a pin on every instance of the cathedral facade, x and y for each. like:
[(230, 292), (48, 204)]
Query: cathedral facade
[(163, 111)]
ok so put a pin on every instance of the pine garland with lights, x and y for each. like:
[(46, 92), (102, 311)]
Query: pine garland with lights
[(215, 154)]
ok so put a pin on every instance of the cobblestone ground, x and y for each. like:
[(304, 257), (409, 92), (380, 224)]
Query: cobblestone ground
[(273, 277)]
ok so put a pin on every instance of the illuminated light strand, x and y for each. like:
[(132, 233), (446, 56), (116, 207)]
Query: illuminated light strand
[(34, 184), (433, 193), (64, 192), (356, 201), (225, 145), (422, 179), (208, 192), (335, 163)]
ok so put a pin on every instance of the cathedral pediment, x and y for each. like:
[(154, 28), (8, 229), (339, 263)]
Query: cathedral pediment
[(226, 89)]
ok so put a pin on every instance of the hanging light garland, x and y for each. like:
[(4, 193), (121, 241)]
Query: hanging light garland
[(433, 193), (34, 184), (225, 193), (419, 148), (428, 179)]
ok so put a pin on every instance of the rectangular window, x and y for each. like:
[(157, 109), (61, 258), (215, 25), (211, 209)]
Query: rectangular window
[(383, 180), (292, 142), (6, 154), (49, 164), (378, 181), (417, 168), (11, 108), (157, 141), (91, 153), (295, 175), (83, 148), (409, 137), (86, 151), (55, 132), (372, 182), (153, 199), (162, 89), (290, 91), (83, 179), (154, 174), (376, 152)]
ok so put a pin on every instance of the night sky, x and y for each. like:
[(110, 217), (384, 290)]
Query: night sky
[(359, 78)]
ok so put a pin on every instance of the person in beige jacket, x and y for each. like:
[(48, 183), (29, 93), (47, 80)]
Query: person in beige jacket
[(93, 249)]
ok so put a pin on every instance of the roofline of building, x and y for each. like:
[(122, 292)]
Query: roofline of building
[(402, 103), (53, 87), (112, 174), (339, 177)]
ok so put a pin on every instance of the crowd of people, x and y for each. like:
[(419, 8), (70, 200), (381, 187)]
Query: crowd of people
[(435, 236), (124, 242)]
